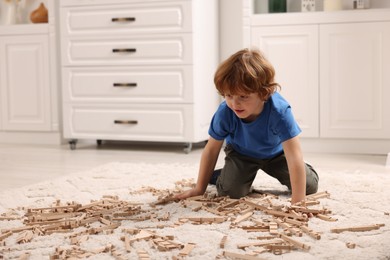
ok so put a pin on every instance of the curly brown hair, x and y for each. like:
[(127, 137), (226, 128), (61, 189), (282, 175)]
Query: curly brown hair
[(247, 71)]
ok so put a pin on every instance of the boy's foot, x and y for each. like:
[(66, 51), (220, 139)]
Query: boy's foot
[(214, 177)]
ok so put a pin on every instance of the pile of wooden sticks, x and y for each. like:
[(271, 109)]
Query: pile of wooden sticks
[(281, 224)]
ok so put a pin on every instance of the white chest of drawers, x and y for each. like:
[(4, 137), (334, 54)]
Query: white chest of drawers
[(139, 70)]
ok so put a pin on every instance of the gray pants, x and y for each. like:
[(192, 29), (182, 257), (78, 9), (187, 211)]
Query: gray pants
[(240, 171)]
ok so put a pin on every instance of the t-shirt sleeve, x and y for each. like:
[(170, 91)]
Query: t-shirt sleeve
[(219, 126), (287, 127)]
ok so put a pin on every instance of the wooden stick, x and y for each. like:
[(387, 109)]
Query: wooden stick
[(223, 242), (143, 255), (295, 242), (310, 232), (326, 218), (241, 256), (261, 243), (187, 249), (5, 235), (358, 228), (282, 214), (318, 195), (127, 243), (243, 217)]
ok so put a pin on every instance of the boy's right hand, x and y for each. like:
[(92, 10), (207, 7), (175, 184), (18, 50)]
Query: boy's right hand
[(188, 193)]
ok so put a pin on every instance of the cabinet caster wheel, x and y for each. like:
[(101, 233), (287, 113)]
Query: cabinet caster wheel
[(188, 147), (72, 144)]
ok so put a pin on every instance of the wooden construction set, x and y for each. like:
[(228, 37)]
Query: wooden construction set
[(281, 225)]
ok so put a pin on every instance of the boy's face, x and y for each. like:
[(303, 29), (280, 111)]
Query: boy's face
[(246, 106)]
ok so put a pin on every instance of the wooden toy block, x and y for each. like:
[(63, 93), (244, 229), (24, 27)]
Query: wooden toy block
[(295, 222), (310, 232), (24, 237), (5, 235), (127, 244), (203, 220), (265, 237), (131, 231), (105, 221), (8, 218), (223, 242), (143, 255), (187, 249), (77, 240), (260, 222), (256, 228), (307, 203), (318, 195), (142, 235), (240, 256), (166, 243), (230, 203), (18, 229), (326, 218), (307, 210), (294, 242), (273, 228), (285, 215), (243, 217), (288, 229), (254, 205), (279, 249), (261, 243), (358, 228)]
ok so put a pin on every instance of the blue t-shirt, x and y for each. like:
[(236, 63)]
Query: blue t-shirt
[(261, 138)]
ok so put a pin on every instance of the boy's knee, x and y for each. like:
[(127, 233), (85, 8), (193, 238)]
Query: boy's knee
[(311, 189), (311, 180), (312, 185)]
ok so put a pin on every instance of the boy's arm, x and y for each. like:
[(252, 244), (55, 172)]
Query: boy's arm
[(207, 164), (296, 167)]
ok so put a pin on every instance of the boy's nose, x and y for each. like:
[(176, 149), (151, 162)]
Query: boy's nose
[(236, 101)]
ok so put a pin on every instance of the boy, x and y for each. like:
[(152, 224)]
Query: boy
[(259, 129)]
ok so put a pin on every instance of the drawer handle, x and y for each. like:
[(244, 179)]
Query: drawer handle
[(124, 50), (126, 122), (123, 19), (125, 84)]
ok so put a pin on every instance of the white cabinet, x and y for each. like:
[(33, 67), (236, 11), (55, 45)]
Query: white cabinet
[(333, 68), (25, 93), (354, 80), (138, 70), (28, 82)]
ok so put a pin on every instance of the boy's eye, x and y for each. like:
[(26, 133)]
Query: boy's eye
[(244, 97)]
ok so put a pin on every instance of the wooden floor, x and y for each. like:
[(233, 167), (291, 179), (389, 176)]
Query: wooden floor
[(27, 164)]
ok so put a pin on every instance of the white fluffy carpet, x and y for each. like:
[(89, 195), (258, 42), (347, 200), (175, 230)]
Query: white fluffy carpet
[(357, 198)]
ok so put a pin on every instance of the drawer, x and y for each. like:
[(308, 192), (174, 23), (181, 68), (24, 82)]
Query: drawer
[(161, 50), (128, 84), (139, 18), (147, 123)]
